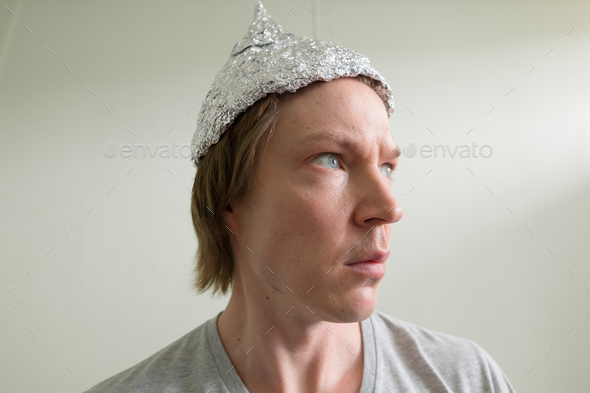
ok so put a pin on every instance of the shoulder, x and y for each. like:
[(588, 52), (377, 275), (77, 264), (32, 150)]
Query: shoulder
[(180, 366), (436, 358), (405, 334)]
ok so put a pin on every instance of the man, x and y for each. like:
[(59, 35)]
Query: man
[(292, 207)]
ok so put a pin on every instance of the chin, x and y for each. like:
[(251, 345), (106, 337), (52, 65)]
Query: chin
[(355, 308)]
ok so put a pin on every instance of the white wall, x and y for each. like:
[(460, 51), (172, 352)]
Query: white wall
[(116, 288)]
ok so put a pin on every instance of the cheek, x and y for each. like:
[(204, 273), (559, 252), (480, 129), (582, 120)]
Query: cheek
[(304, 211), (317, 209)]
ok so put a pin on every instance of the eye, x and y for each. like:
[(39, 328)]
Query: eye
[(389, 171), (333, 160)]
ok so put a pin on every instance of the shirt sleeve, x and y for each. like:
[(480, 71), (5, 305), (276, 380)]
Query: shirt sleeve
[(497, 380)]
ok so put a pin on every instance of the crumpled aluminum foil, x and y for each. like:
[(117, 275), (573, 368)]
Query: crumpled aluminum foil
[(270, 60)]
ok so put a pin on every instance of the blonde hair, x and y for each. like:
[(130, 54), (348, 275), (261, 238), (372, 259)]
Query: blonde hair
[(224, 175)]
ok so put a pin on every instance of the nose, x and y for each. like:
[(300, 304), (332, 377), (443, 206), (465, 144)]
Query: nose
[(376, 200), (396, 212)]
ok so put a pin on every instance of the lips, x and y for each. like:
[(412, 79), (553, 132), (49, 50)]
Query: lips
[(378, 256)]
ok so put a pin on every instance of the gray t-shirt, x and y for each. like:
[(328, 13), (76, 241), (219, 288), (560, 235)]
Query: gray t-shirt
[(399, 357)]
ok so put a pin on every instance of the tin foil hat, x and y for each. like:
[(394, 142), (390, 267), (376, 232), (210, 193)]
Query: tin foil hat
[(270, 60)]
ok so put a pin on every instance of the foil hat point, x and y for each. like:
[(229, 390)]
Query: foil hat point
[(270, 60), (263, 31)]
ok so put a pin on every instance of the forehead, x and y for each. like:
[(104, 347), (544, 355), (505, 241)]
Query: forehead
[(344, 106)]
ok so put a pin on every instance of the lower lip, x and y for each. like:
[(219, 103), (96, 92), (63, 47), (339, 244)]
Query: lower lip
[(369, 268)]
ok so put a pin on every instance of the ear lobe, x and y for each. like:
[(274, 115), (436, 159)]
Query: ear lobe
[(229, 218)]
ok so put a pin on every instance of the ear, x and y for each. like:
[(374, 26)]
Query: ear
[(229, 218)]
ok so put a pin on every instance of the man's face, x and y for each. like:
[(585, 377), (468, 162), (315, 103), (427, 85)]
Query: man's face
[(311, 212)]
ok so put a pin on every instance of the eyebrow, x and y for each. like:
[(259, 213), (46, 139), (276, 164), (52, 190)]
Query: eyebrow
[(347, 143)]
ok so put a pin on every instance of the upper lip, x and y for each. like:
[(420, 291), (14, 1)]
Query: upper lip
[(377, 256)]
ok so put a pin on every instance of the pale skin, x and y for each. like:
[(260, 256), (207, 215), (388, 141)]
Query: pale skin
[(307, 210)]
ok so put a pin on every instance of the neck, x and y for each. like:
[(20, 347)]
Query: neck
[(274, 347)]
